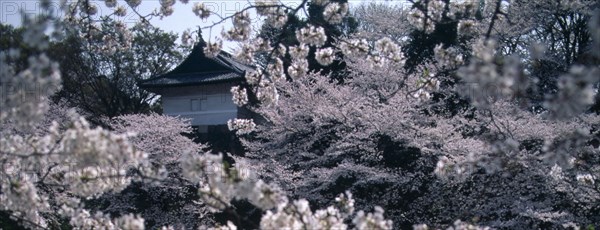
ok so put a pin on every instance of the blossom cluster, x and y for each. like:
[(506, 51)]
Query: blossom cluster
[(312, 35), (450, 57), (425, 88), (275, 13), (458, 225), (298, 69), (21, 106), (120, 39), (166, 7), (354, 47), (82, 160), (363, 129), (241, 126), (425, 19), (489, 80), (241, 27), (240, 97), (201, 10), (575, 92), (218, 188), (158, 135), (213, 49), (464, 9), (467, 27), (387, 48), (299, 51), (334, 12), (325, 56)]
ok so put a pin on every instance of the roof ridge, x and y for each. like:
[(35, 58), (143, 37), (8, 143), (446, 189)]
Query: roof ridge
[(218, 71)]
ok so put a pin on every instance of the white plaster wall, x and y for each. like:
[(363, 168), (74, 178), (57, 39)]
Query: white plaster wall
[(215, 105)]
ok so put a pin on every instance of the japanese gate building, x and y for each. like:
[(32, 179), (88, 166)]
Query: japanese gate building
[(199, 88)]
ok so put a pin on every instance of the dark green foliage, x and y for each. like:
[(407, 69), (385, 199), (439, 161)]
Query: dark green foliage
[(106, 85), (7, 223), (546, 73), (245, 215), (397, 154), (12, 38), (420, 46)]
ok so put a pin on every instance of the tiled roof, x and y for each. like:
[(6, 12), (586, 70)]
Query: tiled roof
[(197, 69)]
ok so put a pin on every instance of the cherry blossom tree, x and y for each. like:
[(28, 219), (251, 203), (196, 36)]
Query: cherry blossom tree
[(382, 20), (320, 135), (378, 134)]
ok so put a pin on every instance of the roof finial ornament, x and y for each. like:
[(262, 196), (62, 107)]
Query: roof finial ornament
[(200, 38)]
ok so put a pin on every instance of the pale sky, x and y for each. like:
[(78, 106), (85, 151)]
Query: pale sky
[(183, 18)]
